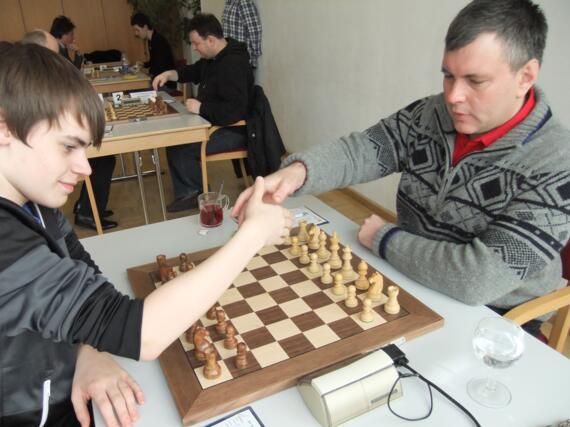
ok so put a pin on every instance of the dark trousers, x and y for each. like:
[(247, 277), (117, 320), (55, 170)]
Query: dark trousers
[(184, 160), (102, 172), (532, 326), (60, 415)]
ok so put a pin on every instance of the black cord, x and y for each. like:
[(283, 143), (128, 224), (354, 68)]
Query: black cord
[(430, 385)]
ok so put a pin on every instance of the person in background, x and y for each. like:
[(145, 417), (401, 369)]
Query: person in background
[(225, 91), (42, 38), (485, 186), (64, 31), (159, 51), (240, 21)]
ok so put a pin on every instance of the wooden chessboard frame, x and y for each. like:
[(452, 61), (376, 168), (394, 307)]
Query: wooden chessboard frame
[(196, 404)]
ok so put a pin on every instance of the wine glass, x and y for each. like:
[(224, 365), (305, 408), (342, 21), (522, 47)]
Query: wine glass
[(499, 342)]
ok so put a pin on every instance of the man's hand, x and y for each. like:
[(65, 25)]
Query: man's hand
[(193, 105), (278, 186), (162, 78), (368, 230), (116, 394)]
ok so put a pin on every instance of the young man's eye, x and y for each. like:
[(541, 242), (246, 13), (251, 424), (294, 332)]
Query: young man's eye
[(69, 147)]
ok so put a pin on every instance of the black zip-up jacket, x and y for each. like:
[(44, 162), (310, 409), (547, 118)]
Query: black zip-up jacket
[(225, 84), (52, 297)]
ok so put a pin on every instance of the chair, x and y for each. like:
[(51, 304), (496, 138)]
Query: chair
[(239, 154), (558, 301)]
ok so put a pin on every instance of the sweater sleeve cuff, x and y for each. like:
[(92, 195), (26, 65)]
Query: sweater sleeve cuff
[(298, 157), (382, 239)]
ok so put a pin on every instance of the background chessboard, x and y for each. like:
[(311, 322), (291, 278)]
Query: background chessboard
[(292, 324), (137, 112)]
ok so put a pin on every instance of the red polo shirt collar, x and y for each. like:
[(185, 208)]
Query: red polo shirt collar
[(464, 145)]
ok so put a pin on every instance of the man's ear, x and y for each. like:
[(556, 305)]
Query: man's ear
[(527, 76), (5, 134)]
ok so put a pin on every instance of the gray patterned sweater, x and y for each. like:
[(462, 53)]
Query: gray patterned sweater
[(488, 230)]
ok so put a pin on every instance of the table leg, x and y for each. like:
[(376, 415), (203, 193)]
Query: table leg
[(94, 208), (156, 161), (137, 159), (203, 166)]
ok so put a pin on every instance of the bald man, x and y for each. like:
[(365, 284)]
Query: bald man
[(43, 38)]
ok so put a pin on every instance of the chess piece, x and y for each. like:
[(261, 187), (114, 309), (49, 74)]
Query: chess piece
[(212, 368), (347, 272), (304, 258), (184, 267), (334, 259), (338, 288), (230, 341), (362, 282), (171, 274), (190, 332), (323, 253), (392, 306), (351, 300), (222, 324), (201, 343), (183, 258), (326, 278), (314, 234), (303, 236), (366, 313), (295, 249), (162, 268), (241, 356), (376, 285), (211, 314), (314, 266)]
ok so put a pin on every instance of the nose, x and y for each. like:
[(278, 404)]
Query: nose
[(454, 91), (80, 164)]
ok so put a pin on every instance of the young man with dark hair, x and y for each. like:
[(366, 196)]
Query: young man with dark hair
[(225, 80), (64, 32), (58, 310), (482, 201), (160, 53)]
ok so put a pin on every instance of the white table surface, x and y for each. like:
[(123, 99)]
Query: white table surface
[(539, 381)]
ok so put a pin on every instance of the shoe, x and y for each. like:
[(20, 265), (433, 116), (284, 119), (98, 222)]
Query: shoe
[(183, 203), (88, 222), (106, 213)]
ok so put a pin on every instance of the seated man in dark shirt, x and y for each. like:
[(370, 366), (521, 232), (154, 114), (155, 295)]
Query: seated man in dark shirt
[(225, 80), (159, 51)]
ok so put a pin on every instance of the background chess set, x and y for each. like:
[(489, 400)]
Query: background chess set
[(134, 111), (292, 325)]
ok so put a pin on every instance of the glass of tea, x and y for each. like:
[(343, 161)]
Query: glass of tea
[(212, 207)]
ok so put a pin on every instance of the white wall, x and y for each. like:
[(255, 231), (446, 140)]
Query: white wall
[(330, 67)]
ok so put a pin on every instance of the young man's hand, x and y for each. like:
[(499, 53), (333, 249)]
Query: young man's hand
[(116, 394), (277, 187), (193, 105), (272, 220)]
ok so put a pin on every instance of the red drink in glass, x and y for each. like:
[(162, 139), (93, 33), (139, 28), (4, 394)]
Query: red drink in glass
[(211, 215)]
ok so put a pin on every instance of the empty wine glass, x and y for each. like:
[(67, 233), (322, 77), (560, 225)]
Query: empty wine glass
[(499, 342)]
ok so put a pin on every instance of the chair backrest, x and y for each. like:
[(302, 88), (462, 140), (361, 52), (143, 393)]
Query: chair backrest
[(558, 301)]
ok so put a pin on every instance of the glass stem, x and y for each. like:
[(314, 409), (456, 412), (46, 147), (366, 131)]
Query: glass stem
[(490, 386)]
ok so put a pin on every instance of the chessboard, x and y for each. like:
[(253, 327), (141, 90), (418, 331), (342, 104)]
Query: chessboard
[(96, 75), (137, 111), (292, 324)]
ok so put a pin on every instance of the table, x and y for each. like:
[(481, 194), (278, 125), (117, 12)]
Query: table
[(140, 80), (150, 135), (539, 381)]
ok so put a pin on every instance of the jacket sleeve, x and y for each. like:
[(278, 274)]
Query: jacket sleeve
[(191, 73), (232, 101), (250, 18), (64, 299)]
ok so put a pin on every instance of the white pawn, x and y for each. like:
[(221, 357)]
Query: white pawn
[(347, 272), (334, 259), (295, 249), (351, 300), (362, 282), (314, 266), (366, 313), (323, 253), (303, 236), (326, 278), (304, 258), (392, 306), (376, 286), (338, 288)]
